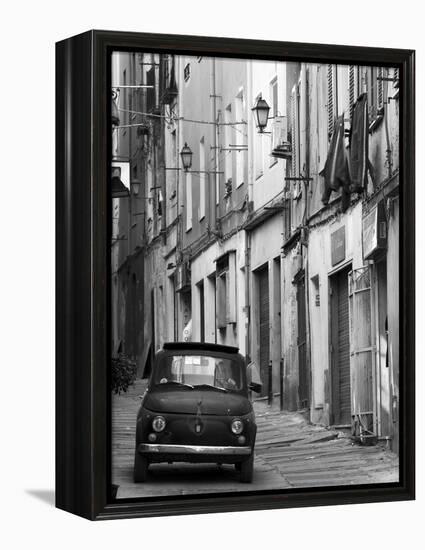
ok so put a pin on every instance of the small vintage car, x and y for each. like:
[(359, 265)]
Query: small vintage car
[(196, 409)]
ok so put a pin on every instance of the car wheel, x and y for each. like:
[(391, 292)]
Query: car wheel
[(140, 471), (247, 469)]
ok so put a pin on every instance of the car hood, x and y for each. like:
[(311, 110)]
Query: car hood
[(182, 401)]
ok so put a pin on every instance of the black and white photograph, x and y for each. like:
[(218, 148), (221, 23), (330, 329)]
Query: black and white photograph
[(254, 274)]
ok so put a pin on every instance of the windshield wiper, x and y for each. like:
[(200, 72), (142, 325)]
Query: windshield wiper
[(175, 382), (211, 386)]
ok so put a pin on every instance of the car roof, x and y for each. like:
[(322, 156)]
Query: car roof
[(199, 346)]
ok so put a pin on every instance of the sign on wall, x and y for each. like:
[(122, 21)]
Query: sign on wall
[(374, 231), (338, 245)]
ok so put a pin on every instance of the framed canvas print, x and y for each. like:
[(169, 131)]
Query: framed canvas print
[(235, 275)]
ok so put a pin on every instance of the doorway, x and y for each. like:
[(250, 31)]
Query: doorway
[(264, 326), (200, 286)]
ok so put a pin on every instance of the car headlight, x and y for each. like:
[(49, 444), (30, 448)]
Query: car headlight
[(158, 423), (237, 426)]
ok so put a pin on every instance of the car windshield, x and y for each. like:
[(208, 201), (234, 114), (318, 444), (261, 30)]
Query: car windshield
[(200, 370)]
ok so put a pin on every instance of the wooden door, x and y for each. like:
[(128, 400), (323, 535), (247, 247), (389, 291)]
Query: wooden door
[(304, 375)]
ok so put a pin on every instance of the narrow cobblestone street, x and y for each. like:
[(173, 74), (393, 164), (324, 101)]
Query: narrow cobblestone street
[(289, 453)]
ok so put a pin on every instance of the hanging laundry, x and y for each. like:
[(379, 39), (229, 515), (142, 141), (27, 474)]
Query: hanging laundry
[(335, 172), (359, 145)]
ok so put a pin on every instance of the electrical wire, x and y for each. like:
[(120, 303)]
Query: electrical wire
[(183, 119)]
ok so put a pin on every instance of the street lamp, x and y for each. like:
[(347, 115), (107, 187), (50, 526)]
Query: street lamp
[(186, 155), (261, 114), (135, 185)]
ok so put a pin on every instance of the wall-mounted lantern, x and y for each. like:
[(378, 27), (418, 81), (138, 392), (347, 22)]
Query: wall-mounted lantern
[(186, 155), (261, 114), (135, 185)]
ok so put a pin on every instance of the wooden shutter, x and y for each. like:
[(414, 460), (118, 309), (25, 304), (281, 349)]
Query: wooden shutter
[(294, 133), (226, 290), (396, 77), (351, 89), (331, 99), (379, 88), (362, 353), (221, 289), (150, 92)]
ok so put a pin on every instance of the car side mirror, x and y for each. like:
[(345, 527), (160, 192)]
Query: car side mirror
[(253, 386)]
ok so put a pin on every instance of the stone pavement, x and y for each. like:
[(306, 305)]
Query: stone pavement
[(289, 453)]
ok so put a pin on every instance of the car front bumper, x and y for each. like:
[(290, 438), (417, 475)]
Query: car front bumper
[(199, 450)]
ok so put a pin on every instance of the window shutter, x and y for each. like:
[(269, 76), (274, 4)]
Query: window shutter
[(351, 89), (371, 92), (295, 132), (396, 78), (150, 92), (231, 289), (294, 135), (331, 100), (221, 289), (380, 88)]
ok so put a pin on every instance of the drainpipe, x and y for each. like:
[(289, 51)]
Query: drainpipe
[(247, 296), (306, 216), (179, 238), (163, 173)]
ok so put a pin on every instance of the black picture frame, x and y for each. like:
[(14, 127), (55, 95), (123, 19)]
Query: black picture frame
[(82, 307)]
